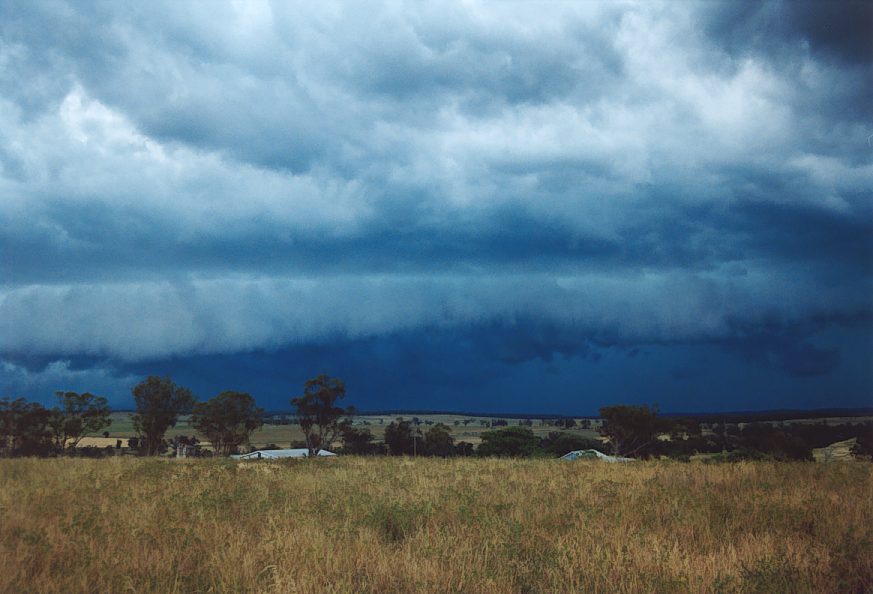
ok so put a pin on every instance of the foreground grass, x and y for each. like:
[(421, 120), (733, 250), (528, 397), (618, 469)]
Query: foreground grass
[(402, 525)]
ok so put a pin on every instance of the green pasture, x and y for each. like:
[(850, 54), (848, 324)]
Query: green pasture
[(284, 435)]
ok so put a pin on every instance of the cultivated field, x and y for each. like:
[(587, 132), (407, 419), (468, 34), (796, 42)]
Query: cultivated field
[(283, 435), (430, 525)]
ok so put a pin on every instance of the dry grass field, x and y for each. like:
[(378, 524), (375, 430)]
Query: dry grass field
[(429, 525)]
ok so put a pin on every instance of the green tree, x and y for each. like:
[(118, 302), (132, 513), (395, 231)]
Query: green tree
[(400, 437), (318, 415), (510, 441), (159, 403), (775, 442), (632, 430), (559, 443), (76, 416), (463, 448), (24, 428), (863, 447), (227, 421), (6, 425), (438, 441), (360, 442)]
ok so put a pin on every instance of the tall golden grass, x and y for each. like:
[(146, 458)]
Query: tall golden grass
[(428, 525)]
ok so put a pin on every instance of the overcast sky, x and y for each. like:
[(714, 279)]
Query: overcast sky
[(517, 207)]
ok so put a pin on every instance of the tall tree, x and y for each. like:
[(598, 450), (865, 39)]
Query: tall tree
[(6, 425), (360, 442), (559, 443), (511, 441), (159, 402), (400, 437), (228, 420), (632, 430), (76, 416), (24, 428), (320, 418), (438, 441)]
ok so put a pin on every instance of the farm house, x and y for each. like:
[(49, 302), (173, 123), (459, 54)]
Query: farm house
[(271, 454)]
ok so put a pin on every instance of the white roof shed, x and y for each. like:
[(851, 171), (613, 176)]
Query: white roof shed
[(593, 455), (272, 454)]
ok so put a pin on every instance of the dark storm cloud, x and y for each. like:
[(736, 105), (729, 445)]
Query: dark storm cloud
[(840, 31), (532, 184), (837, 35), (469, 370), (805, 234), (808, 360)]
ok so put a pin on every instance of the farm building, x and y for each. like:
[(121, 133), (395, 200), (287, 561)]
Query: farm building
[(270, 454), (593, 455)]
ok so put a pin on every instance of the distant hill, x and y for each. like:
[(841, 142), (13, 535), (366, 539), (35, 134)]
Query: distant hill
[(743, 416)]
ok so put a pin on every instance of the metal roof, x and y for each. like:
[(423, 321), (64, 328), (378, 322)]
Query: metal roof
[(268, 454), (593, 455)]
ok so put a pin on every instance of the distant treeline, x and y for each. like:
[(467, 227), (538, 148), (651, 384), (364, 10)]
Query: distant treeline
[(228, 420), (703, 417), (632, 431), (454, 413), (775, 415)]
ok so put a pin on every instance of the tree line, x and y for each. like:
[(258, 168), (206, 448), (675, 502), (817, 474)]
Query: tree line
[(229, 419), (627, 431)]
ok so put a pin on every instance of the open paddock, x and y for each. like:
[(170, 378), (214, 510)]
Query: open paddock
[(284, 435), (431, 525)]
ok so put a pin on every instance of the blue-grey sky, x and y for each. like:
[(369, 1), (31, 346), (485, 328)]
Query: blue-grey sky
[(519, 207)]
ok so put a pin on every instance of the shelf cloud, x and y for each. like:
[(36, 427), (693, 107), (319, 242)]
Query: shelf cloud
[(544, 188)]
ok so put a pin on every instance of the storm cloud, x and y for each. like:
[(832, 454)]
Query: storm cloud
[(544, 188)]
